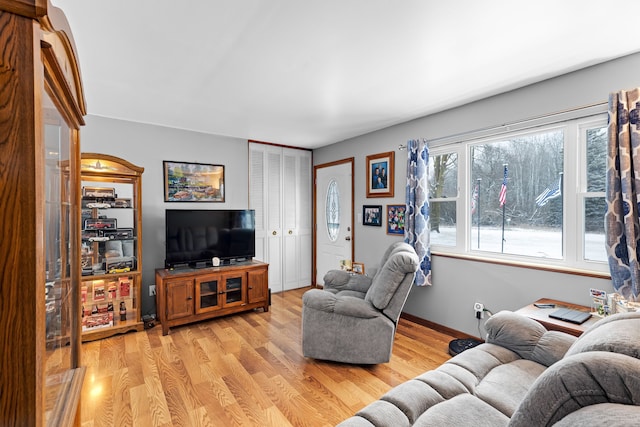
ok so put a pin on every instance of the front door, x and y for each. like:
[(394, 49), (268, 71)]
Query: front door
[(334, 215)]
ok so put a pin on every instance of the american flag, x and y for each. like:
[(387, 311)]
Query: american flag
[(503, 189), (551, 192)]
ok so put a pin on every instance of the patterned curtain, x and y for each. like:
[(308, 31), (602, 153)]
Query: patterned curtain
[(622, 228), (417, 226)]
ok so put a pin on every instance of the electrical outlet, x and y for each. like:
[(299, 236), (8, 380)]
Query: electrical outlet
[(152, 290), (478, 308)]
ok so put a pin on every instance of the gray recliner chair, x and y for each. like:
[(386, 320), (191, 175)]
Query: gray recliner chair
[(354, 318)]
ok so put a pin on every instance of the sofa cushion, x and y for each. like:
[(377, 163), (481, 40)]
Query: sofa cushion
[(506, 385), (617, 334), (413, 398), (612, 415), (462, 410), (477, 362), (448, 381), (551, 347), (578, 381), (382, 413)]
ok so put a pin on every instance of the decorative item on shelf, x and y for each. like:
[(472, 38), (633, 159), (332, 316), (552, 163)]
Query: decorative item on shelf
[(112, 290), (125, 286), (99, 192), (345, 264), (193, 182), (380, 174), (372, 215), (395, 219), (215, 261), (123, 311), (358, 268), (98, 291), (100, 224)]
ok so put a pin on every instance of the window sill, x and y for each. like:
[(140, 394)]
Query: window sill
[(522, 264)]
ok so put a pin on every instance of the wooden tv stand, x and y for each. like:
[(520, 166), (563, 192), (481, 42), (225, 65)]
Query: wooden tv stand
[(192, 294)]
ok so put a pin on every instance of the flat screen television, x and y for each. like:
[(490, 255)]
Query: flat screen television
[(194, 237)]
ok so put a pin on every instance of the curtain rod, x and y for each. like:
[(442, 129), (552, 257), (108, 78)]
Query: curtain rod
[(585, 110)]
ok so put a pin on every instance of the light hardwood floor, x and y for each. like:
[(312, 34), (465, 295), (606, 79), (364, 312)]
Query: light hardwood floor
[(241, 370)]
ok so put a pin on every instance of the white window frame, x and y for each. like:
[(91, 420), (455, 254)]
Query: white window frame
[(574, 191)]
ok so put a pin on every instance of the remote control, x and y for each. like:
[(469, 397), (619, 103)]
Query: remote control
[(544, 305)]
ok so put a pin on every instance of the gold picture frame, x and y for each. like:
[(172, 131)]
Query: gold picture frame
[(380, 172)]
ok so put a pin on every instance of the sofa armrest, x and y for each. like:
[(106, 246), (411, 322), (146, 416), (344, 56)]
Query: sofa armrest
[(579, 381), (526, 337), (340, 280), (321, 300)]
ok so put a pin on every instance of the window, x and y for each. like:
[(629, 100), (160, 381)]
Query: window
[(593, 197), (443, 195), (554, 206), (529, 222)]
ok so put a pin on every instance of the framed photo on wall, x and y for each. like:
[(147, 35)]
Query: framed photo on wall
[(395, 219), (380, 174), (372, 215), (193, 182)]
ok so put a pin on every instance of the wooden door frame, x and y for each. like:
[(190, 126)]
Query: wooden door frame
[(350, 160)]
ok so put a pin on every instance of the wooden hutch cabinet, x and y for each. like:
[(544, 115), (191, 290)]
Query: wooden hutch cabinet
[(189, 294), (111, 253), (41, 110)]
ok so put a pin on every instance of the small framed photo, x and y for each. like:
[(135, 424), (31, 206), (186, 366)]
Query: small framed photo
[(380, 174), (372, 215), (395, 219), (358, 268), (193, 182)]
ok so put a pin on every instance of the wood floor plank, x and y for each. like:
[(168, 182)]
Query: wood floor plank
[(240, 370)]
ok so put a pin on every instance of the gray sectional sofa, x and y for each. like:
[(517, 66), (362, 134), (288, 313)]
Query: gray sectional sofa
[(524, 375)]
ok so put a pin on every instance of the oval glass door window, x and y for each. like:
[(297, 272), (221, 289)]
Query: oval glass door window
[(332, 207)]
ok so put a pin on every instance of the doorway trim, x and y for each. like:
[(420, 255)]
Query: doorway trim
[(350, 160)]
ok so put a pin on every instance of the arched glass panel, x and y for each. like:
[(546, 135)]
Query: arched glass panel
[(332, 207)]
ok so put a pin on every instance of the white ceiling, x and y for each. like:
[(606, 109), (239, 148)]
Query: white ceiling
[(311, 73)]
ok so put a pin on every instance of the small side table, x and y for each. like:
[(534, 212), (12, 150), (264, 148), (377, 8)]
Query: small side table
[(541, 315)]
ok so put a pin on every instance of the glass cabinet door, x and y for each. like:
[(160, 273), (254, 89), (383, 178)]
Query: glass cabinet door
[(60, 277), (207, 292), (234, 285)]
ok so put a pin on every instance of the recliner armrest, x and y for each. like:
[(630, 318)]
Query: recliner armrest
[(321, 300), (341, 280)]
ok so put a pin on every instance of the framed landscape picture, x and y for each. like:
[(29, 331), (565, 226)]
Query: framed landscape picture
[(395, 219), (372, 215), (380, 174), (193, 182)]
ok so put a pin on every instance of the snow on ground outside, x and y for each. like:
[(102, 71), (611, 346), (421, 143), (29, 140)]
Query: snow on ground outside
[(519, 241)]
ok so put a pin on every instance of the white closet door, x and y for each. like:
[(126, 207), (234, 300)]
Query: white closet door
[(305, 218), (280, 192), (274, 217), (290, 214), (257, 190)]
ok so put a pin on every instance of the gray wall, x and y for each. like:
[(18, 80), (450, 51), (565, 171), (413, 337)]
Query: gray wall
[(147, 146), (458, 283)]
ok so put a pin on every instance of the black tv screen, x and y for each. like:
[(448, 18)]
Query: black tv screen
[(194, 237)]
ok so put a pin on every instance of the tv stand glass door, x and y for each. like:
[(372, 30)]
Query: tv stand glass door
[(207, 291)]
